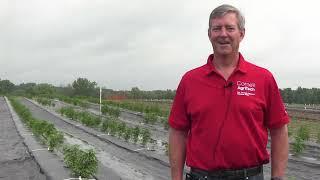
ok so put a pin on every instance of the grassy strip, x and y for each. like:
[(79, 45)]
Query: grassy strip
[(82, 163)]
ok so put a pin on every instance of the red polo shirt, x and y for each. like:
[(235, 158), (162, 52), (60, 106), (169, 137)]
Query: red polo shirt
[(227, 120)]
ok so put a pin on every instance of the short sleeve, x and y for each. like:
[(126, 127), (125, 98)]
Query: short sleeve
[(178, 118), (276, 115)]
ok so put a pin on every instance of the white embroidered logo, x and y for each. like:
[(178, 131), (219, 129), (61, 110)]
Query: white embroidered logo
[(246, 88)]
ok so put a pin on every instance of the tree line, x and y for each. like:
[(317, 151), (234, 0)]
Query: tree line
[(301, 95), (82, 87)]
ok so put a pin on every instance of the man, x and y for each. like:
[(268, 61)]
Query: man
[(223, 110)]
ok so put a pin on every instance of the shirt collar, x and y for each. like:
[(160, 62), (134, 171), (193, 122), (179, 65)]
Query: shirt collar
[(241, 67)]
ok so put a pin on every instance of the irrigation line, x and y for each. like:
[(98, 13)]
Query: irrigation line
[(39, 150)]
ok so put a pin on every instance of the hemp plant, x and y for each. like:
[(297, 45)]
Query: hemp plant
[(127, 133), (318, 136), (304, 133), (135, 134), (146, 136), (298, 145)]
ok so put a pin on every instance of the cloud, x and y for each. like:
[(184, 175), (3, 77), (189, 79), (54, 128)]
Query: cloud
[(149, 44)]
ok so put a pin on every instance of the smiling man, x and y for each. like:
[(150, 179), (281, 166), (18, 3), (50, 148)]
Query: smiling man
[(223, 111)]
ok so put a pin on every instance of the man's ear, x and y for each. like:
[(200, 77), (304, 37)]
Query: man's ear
[(242, 33)]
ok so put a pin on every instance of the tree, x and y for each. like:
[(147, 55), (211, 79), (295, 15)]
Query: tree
[(83, 87), (6, 86), (43, 89), (136, 93)]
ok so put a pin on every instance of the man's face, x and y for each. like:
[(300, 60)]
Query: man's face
[(225, 35)]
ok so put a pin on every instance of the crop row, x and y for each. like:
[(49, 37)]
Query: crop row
[(137, 106), (74, 101), (44, 101), (112, 111), (84, 117), (109, 125), (81, 162), (151, 113)]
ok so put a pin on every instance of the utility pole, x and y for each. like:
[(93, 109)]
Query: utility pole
[(100, 100)]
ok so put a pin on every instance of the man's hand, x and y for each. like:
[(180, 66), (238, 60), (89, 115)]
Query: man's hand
[(177, 152), (279, 151)]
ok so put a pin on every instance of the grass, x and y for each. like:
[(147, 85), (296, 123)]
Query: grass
[(312, 125)]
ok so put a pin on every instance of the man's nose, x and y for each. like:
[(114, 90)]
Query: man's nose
[(223, 32)]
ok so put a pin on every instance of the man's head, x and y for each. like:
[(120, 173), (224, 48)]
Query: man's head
[(226, 29)]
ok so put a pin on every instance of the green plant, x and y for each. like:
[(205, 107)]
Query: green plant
[(290, 131), (135, 134), (55, 140), (298, 145), (105, 126), (146, 136), (121, 129), (83, 163), (166, 145), (45, 101), (291, 178), (45, 131), (150, 118), (112, 111), (113, 128), (127, 133), (304, 133)]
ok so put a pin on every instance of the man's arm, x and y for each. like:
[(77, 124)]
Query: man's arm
[(279, 151), (177, 152)]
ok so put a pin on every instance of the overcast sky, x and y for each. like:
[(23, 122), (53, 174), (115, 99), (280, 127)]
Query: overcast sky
[(150, 43)]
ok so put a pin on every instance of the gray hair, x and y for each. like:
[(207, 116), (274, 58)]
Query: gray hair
[(222, 10)]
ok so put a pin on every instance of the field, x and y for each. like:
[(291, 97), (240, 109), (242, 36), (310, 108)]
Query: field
[(122, 156)]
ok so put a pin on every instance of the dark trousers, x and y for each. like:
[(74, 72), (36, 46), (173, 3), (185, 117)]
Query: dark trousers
[(199, 176)]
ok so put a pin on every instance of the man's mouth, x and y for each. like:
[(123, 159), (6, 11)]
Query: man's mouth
[(223, 42)]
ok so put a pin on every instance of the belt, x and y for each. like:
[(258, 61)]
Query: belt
[(229, 173)]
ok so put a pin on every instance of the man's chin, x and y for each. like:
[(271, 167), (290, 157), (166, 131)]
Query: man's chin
[(223, 53)]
